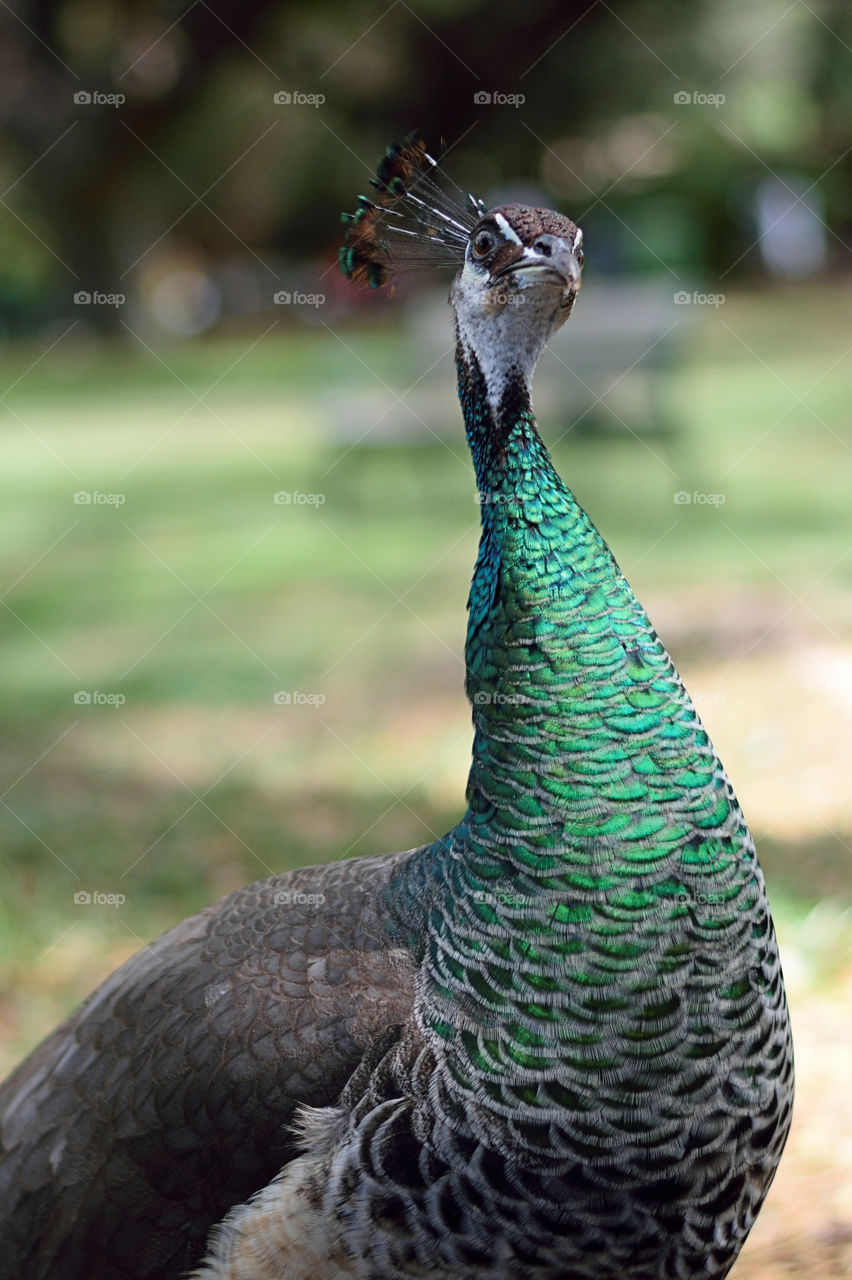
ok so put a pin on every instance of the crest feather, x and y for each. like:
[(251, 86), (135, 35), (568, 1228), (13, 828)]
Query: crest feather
[(413, 223)]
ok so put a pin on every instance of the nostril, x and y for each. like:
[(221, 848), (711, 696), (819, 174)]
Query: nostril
[(544, 247)]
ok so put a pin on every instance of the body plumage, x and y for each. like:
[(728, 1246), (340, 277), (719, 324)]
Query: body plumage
[(552, 1045)]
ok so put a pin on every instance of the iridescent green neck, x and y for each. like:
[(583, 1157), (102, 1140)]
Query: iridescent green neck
[(538, 548), (595, 799), (570, 687), (598, 813)]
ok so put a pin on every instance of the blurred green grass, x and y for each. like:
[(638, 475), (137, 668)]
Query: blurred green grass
[(198, 598)]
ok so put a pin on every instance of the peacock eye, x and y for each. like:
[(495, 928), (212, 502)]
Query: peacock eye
[(580, 256), (483, 243)]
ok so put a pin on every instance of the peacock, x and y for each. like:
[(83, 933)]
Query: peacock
[(551, 1045)]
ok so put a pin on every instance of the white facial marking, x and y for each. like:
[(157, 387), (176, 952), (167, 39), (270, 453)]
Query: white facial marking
[(578, 240), (508, 230)]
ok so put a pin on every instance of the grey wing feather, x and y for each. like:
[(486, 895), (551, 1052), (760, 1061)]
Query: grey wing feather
[(165, 1098)]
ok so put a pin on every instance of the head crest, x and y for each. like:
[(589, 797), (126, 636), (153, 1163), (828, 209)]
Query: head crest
[(412, 224)]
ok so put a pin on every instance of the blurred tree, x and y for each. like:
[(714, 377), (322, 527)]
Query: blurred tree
[(199, 161)]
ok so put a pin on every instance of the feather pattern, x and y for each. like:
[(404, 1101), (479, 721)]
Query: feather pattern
[(413, 224)]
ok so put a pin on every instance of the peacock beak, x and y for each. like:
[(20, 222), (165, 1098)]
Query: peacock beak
[(549, 258)]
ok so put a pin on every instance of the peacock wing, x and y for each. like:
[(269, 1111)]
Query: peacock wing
[(165, 1098)]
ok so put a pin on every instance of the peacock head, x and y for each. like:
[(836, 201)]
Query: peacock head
[(518, 269), (520, 257), (521, 274)]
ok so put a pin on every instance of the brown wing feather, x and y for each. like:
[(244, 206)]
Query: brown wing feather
[(165, 1098)]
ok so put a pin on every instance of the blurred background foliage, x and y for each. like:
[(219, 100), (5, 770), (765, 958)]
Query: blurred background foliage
[(155, 199), (199, 162)]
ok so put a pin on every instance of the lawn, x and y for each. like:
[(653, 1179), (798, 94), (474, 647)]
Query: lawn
[(147, 631)]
